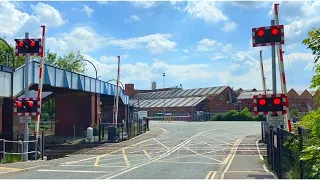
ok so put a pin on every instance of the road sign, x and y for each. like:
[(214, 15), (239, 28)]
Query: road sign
[(25, 119), (275, 120), (142, 114)]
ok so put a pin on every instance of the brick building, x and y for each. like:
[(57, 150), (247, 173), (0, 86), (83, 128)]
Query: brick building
[(210, 99)]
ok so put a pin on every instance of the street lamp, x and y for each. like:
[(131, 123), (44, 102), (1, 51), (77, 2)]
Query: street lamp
[(164, 99), (13, 59), (95, 94), (13, 63)]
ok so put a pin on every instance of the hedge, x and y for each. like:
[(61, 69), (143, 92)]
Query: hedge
[(233, 115)]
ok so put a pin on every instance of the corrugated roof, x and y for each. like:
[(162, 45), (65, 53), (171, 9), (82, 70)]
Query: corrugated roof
[(180, 93), (171, 102)]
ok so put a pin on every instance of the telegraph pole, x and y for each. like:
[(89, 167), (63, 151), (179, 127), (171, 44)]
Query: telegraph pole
[(26, 92)]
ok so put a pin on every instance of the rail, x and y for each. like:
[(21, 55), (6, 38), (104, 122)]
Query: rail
[(19, 150)]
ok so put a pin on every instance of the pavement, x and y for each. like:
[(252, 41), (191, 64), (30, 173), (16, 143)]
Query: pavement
[(175, 150)]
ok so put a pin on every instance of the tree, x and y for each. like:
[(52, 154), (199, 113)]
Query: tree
[(4, 51), (313, 43)]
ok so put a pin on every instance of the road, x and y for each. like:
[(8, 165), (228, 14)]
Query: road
[(183, 150)]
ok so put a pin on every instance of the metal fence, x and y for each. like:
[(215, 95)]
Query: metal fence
[(13, 149), (125, 130), (280, 157)]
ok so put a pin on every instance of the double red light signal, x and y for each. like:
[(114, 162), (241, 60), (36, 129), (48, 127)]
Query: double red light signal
[(30, 46), (26, 106), (267, 36), (270, 104)]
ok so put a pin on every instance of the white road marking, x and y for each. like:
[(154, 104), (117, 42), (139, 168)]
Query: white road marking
[(161, 144), (158, 158), (203, 155), (185, 162), (261, 158), (71, 171)]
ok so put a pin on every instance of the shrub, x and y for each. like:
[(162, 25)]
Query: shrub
[(310, 154), (233, 115)]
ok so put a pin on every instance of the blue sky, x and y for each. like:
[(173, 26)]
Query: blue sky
[(197, 44)]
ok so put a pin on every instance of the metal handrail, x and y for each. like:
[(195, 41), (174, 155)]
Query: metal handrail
[(21, 143)]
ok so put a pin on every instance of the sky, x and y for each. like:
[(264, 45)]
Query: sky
[(196, 44)]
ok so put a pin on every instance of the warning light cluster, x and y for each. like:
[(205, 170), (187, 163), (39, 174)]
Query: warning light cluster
[(276, 101), (274, 31)]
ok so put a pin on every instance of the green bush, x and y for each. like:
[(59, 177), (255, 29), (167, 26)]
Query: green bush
[(233, 115), (310, 154)]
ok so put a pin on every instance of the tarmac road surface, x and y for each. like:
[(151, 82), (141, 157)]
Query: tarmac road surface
[(183, 150)]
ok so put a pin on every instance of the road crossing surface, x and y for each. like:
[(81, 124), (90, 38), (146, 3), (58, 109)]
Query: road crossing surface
[(181, 150)]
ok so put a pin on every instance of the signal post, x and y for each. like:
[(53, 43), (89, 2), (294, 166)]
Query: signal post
[(275, 104), (27, 107)]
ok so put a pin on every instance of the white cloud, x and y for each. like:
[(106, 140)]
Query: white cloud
[(206, 44), (145, 4), (156, 43), (86, 9), (14, 22), (133, 18), (82, 38), (206, 10), (185, 50), (146, 72), (300, 15), (229, 26)]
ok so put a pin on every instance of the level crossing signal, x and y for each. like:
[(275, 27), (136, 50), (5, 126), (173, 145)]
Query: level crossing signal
[(26, 107), (274, 104), (28, 47), (268, 36)]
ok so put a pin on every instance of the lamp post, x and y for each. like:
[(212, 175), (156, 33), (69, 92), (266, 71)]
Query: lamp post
[(164, 100), (95, 94), (13, 59)]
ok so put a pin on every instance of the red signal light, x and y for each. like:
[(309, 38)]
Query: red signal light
[(30, 103), (260, 32), (262, 102), (18, 103), (277, 101), (275, 31), (20, 43), (32, 43)]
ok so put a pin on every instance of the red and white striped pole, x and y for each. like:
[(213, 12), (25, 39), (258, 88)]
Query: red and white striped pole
[(40, 84), (262, 75), (281, 67)]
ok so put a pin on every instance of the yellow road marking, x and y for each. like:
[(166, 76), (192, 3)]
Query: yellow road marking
[(213, 174), (9, 169), (125, 158), (96, 163), (146, 153), (208, 175)]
